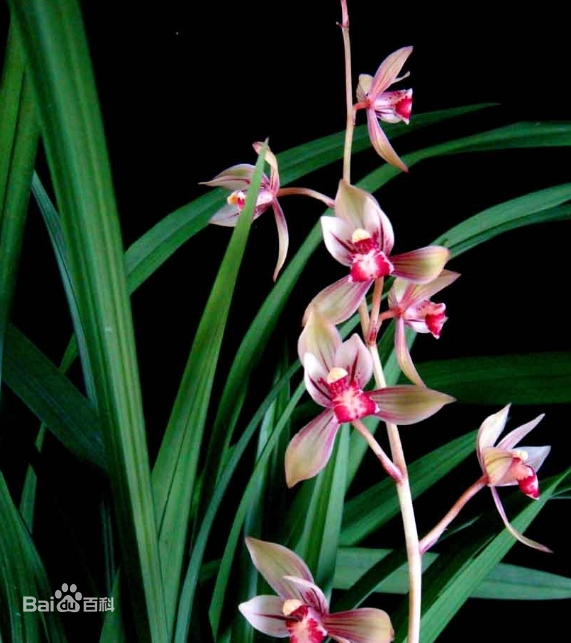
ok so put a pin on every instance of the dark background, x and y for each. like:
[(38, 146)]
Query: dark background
[(187, 87)]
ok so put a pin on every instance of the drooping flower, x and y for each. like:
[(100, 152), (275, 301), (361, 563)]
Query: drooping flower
[(300, 610), (336, 374), (360, 236), (238, 179), (410, 305), (504, 465), (389, 106)]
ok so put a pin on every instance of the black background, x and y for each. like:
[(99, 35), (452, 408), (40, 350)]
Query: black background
[(186, 88)]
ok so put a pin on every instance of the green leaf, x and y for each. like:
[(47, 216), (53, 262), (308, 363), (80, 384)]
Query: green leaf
[(22, 574), (18, 141), (536, 207), (504, 582), (174, 473), (535, 378), (248, 497), (53, 398), (52, 36)]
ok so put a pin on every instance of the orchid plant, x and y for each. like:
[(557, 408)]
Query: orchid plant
[(260, 507)]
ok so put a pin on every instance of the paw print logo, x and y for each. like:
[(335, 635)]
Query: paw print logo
[(70, 598)]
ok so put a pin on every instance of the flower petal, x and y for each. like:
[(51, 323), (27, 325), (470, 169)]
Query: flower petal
[(536, 456), (283, 237), (319, 337), (361, 210), (516, 436), (265, 614), (274, 562), (315, 378), (408, 404), (388, 71), (237, 177), (404, 358), (311, 594), (227, 216), (421, 266), (310, 449), (340, 300), (489, 431), (380, 142), (337, 238), (364, 625), (405, 293), (364, 86), (513, 531), (355, 358)]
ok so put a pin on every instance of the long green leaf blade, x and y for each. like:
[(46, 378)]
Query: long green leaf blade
[(504, 582), (53, 35), (535, 378)]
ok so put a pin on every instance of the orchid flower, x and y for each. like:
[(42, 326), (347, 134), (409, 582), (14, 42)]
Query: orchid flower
[(300, 610), (388, 106), (504, 465), (360, 236), (336, 374), (238, 178), (410, 305)]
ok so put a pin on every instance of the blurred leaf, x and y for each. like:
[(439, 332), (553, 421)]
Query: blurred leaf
[(53, 398), (22, 574), (505, 582), (534, 378), (18, 141)]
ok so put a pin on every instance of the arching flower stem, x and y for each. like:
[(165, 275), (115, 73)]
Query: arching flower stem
[(350, 127), (434, 534)]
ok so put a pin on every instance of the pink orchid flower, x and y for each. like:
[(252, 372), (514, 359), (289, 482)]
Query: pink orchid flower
[(388, 106), (238, 178), (336, 374), (360, 236), (410, 306), (300, 610), (504, 465)]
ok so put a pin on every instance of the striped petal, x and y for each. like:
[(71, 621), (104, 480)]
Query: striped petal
[(311, 594), (408, 404), (337, 238), (404, 358), (381, 143), (340, 300), (354, 357), (513, 531), (315, 379), (237, 177), (388, 71), (265, 614), (421, 266), (283, 237), (319, 337), (490, 431), (517, 435), (364, 625), (405, 293), (310, 449), (275, 563)]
